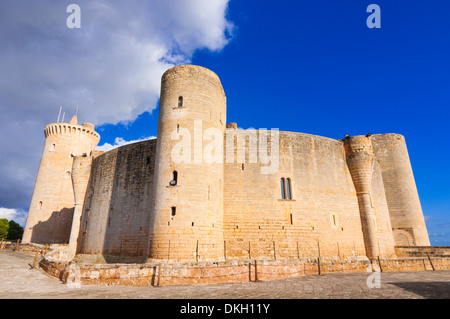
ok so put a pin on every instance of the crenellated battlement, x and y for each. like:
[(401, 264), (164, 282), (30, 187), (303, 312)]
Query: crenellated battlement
[(66, 128)]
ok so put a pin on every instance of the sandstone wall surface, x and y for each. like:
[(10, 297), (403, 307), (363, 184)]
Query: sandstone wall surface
[(401, 192), (321, 218), (116, 211)]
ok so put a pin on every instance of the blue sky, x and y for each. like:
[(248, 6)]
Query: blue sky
[(303, 66)]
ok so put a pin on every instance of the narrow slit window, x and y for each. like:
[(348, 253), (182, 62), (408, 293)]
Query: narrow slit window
[(288, 189), (180, 101), (174, 212), (174, 180), (40, 206), (283, 188)]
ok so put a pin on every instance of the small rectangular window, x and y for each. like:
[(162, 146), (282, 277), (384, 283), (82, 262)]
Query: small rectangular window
[(174, 180)]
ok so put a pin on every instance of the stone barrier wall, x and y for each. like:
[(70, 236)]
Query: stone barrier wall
[(168, 274)]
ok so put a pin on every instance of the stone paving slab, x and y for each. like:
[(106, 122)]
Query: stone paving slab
[(19, 281)]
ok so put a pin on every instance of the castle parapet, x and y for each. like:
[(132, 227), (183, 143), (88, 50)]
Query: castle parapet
[(66, 128)]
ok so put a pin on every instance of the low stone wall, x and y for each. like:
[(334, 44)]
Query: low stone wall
[(13, 245), (167, 274), (54, 268), (422, 251)]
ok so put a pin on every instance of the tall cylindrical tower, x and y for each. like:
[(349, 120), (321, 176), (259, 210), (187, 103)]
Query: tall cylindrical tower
[(360, 161), (401, 192), (187, 217), (51, 209)]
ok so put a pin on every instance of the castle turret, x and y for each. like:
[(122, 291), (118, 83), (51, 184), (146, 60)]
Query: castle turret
[(81, 171), (52, 205), (187, 215), (401, 192), (360, 161)]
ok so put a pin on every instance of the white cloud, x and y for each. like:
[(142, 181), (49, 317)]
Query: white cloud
[(111, 67), (17, 215), (120, 142)]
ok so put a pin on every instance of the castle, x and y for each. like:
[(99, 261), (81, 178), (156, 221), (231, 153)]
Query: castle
[(208, 191)]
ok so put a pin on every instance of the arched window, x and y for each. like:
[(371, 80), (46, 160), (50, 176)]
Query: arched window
[(180, 101), (283, 188), (40, 206), (52, 147)]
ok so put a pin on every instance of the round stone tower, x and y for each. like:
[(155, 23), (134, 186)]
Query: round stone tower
[(360, 161), (187, 216), (401, 192), (52, 204)]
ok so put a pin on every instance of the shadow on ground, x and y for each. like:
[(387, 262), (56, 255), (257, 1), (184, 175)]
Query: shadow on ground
[(428, 290)]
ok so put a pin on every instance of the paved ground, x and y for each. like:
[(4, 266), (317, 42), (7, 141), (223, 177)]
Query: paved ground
[(18, 280)]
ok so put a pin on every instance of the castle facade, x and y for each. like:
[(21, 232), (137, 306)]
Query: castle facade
[(206, 191)]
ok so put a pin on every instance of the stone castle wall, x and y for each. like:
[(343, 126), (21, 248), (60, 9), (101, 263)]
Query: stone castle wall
[(323, 216), (116, 212)]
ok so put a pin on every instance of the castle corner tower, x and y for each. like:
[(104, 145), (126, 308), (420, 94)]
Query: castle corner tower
[(49, 219)]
